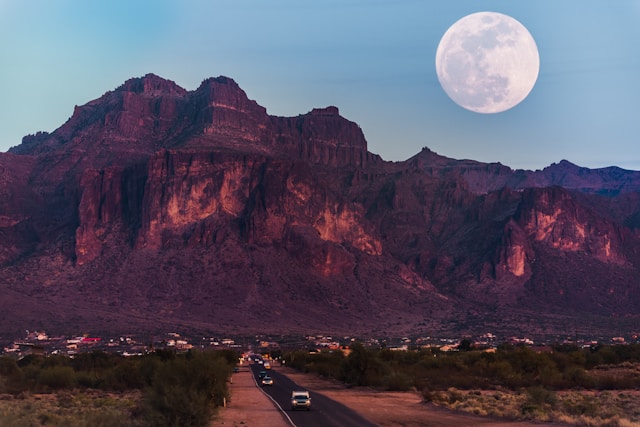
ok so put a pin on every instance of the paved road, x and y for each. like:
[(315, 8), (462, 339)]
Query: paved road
[(324, 411)]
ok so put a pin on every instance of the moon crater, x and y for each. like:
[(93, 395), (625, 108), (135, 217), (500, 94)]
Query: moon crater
[(487, 62)]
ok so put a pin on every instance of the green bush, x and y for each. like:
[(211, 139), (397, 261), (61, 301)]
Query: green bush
[(326, 364), (11, 376), (354, 367), (95, 361), (541, 396), (126, 375), (513, 367), (57, 377), (398, 381), (586, 405), (185, 390), (298, 360)]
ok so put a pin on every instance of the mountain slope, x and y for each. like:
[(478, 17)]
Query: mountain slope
[(154, 207)]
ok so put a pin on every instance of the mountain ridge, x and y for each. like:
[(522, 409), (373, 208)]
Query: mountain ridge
[(197, 208)]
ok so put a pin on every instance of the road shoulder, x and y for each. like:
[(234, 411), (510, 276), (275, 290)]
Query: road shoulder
[(248, 406)]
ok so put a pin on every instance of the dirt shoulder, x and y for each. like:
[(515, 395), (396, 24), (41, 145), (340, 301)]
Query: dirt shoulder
[(249, 406)]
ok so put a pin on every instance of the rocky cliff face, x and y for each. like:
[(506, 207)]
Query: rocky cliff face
[(197, 208)]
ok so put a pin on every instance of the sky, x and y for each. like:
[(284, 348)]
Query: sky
[(373, 59)]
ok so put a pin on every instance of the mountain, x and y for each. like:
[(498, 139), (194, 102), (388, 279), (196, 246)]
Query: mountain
[(156, 208)]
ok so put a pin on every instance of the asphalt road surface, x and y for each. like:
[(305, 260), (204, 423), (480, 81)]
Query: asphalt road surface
[(324, 411)]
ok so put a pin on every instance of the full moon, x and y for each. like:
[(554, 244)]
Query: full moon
[(487, 62)]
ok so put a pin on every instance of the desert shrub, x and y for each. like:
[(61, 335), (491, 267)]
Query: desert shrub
[(298, 360), (584, 405), (405, 358), (577, 377), (30, 360), (185, 390), (56, 377), (171, 402), (442, 372), (165, 355), (325, 364), (627, 353), (604, 355), (126, 375), (94, 361), (69, 409), (613, 382), (54, 361), (539, 400), (454, 396), (8, 367), (376, 373), (512, 367), (362, 367), (353, 369), (11, 377), (103, 418), (398, 381), (452, 378), (502, 373), (541, 396), (570, 362), (229, 356), (147, 367), (532, 368), (88, 379)]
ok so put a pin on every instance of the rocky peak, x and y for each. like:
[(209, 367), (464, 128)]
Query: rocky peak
[(31, 143), (150, 113), (221, 108), (328, 111), (564, 164), (151, 84), (327, 125), (321, 136), (428, 158), (224, 92), (609, 180)]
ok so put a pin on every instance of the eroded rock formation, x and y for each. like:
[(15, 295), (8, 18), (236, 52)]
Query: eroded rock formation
[(197, 208)]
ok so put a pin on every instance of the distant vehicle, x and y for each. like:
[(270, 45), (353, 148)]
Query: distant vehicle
[(262, 374), (267, 365), (300, 400), (266, 380)]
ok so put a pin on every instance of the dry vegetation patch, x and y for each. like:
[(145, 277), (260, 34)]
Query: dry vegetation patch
[(80, 409), (571, 407)]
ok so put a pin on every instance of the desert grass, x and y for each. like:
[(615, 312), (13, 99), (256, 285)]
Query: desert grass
[(579, 408), (79, 409)]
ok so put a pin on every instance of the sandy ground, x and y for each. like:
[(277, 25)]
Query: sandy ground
[(250, 407)]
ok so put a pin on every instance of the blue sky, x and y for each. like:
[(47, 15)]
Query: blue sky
[(374, 59)]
